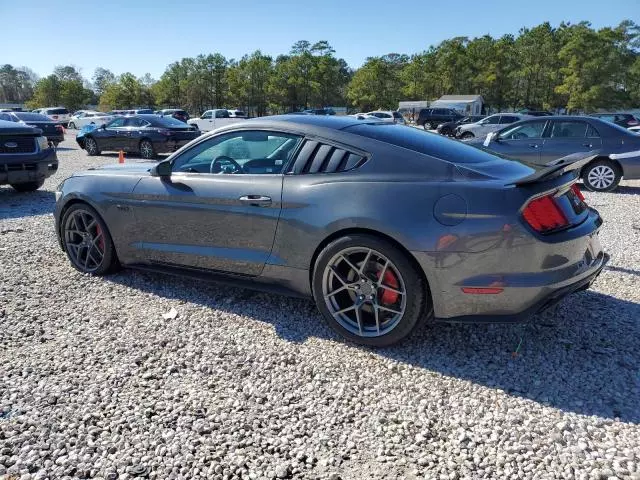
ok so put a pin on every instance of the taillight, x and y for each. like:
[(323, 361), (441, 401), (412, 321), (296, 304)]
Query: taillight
[(632, 122), (544, 215), (577, 191), (55, 117), (59, 128)]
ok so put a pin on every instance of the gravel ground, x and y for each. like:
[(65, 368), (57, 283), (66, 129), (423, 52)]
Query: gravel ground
[(95, 383)]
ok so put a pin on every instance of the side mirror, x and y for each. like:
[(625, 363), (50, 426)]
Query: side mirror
[(162, 169), (103, 126)]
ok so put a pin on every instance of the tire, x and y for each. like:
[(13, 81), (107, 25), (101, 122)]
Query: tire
[(467, 136), (91, 146), (27, 186), (85, 239), (398, 313), (433, 125), (72, 126), (601, 176), (146, 150)]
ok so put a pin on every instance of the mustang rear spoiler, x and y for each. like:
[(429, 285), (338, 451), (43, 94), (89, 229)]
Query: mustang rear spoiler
[(558, 167)]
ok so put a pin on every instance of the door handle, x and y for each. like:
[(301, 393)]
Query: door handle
[(256, 200), (589, 145), (533, 145)]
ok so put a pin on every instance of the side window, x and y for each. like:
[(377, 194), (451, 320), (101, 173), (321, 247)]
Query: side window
[(592, 132), (118, 122), (528, 130), (222, 114), (492, 120), (506, 119), (5, 116), (205, 115), (250, 152), (569, 130), (132, 122)]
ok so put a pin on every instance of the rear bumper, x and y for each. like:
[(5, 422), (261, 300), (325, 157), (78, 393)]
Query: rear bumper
[(169, 146), (548, 300), (522, 272), (28, 168), (55, 137)]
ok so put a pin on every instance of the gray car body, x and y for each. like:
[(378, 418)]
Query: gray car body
[(612, 142), (460, 223)]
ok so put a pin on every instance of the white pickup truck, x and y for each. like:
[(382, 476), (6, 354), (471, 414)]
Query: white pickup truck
[(212, 119)]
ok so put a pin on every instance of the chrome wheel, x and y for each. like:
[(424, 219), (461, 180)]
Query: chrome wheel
[(146, 149), (84, 241), (364, 292), (601, 177)]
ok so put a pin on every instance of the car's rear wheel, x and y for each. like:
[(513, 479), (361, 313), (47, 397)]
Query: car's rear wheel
[(91, 146), (467, 136), (601, 176), (87, 241), (27, 186), (72, 125), (146, 150), (433, 125), (368, 290)]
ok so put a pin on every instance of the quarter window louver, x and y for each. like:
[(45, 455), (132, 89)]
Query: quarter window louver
[(316, 157)]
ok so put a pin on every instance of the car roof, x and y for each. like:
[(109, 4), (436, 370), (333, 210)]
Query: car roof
[(331, 122)]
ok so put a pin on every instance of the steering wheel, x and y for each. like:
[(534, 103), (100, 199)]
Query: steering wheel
[(219, 161)]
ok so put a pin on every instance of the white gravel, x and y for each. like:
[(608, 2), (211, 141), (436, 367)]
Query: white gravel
[(95, 383)]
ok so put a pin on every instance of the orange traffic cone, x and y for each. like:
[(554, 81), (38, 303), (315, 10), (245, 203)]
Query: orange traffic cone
[(121, 157)]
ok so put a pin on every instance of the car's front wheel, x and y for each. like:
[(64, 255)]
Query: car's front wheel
[(91, 146), (27, 186), (146, 150), (601, 176), (87, 241), (467, 136), (368, 290)]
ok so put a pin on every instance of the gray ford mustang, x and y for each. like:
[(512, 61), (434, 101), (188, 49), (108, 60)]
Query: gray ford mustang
[(384, 225)]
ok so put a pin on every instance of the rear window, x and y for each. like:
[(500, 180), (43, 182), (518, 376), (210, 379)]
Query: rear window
[(166, 122), (32, 117), (422, 142), (57, 111), (397, 115)]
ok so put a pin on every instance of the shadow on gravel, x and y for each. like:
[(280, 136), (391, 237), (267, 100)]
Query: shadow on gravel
[(627, 190), (65, 149), (580, 357), (15, 205)]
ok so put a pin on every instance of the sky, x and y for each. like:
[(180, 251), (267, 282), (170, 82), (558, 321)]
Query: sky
[(144, 36)]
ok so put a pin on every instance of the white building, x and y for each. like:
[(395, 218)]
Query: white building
[(465, 104)]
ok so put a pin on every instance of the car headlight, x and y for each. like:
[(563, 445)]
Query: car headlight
[(43, 143)]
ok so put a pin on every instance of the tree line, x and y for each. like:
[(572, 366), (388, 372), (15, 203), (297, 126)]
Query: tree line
[(572, 66)]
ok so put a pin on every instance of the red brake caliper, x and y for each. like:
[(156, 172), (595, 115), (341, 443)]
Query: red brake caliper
[(388, 297), (101, 242)]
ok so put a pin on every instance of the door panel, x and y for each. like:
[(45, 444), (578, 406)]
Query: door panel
[(565, 138), (207, 221)]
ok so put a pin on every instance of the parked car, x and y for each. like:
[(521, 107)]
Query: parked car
[(88, 117), (143, 111), (237, 113), (542, 141), (388, 116), (147, 135), (51, 129), (449, 128), (535, 113), (319, 111), (59, 114), (26, 158), (176, 113), (264, 202), (625, 120), (430, 118), (487, 125), (114, 113), (212, 119)]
